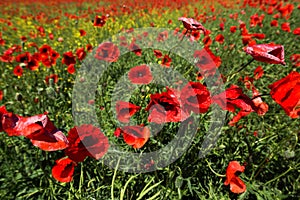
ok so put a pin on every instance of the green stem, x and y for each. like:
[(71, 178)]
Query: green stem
[(113, 180), (179, 41), (242, 67), (262, 95), (284, 173), (213, 171)]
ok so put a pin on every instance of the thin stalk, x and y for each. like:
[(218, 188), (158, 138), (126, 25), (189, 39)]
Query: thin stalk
[(113, 180), (242, 67)]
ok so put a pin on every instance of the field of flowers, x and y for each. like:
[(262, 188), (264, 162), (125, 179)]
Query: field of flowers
[(150, 99)]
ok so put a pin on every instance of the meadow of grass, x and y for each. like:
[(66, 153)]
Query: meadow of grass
[(266, 145)]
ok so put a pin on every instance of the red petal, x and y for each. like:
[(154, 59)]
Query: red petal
[(63, 170), (237, 186)]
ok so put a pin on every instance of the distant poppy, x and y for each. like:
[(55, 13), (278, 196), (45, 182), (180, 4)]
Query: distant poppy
[(261, 107), (207, 41), (140, 75), (135, 48), (236, 184), (125, 110), (286, 27), (192, 24), (1, 95), (135, 136), (80, 53), (219, 38), (207, 62), (286, 92), (86, 140), (268, 53), (63, 170), (258, 35), (99, 21), (54, 77), (162, 36), (274, 23), (51, 36), (82, 32), (195, 35), (233, 29), (166, 61), (68, 58), (71, 69), (18, 71), (295, 58), (157, 53), (23, 58), (107, 51), (296, 31), (89, 47), (222, 26), (258, 72)]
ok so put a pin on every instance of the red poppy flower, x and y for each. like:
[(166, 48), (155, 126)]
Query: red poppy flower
[(23, 58), (71, 69), (135, 136), (261, 107), (233, 98), (33, 64), (99, 21), (86, 140), (166, 61), (82, 32), (236, 184), (195, 35), (274, 23), (296, 31), (220, 38), (80, 53), (125, 110), (268, 53), (157, 53), (51, 36), (233, 29), (45, 50), (18, 71), (39, 129), (3, 111), (23, 38), (1, 97), (162, 36), (286, 92), (135, 48), (165, 107), (207, 41), (191, 24), (258, 72), (140, 75), (107, 51), (54, 77), (295, 58), (222, 26), (286, 27), (63, 170), (207, 61), (195, 97), (68, 58), (89, 47), (258, 35)]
